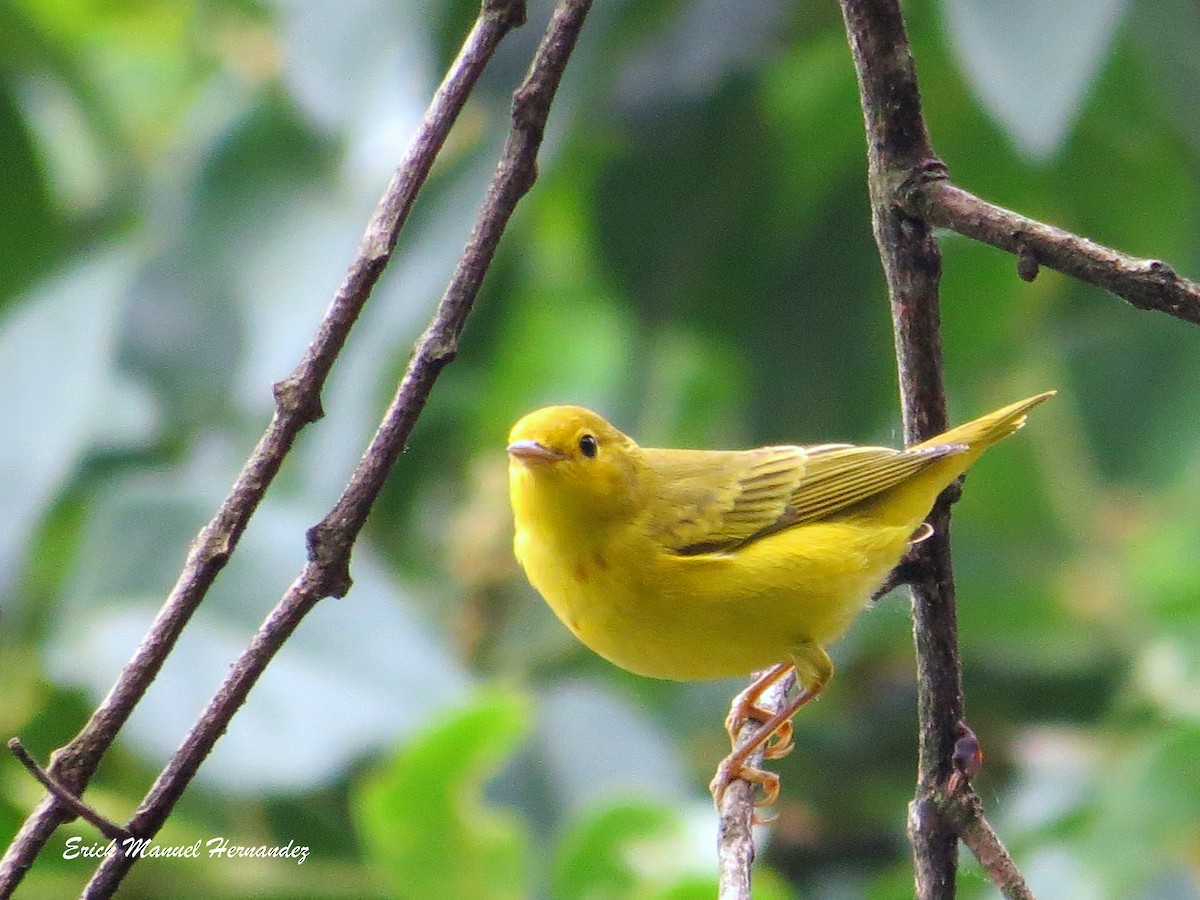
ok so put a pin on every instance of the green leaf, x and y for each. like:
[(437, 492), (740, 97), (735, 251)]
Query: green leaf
[(593, 858), (29, 237), (423, 821)]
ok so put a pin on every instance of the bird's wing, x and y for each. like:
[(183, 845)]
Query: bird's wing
[(838, 476), (716, 501), (709, 500)]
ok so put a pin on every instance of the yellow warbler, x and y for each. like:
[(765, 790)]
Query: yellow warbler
[(698, 564)]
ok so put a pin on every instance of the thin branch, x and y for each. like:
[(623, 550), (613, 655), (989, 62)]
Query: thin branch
[(108, 828), (964, 811), (298, 402), (1144, 283), (898, 144), (735, 836), (327, 571)]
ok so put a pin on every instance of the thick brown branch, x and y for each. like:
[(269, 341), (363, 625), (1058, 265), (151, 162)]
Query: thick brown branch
[(897, 145), (327, 571), (939, 707), (1144, 283), (297, 403), (909, 195)]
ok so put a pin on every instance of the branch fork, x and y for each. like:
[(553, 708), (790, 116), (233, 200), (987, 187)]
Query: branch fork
[(65, 797)]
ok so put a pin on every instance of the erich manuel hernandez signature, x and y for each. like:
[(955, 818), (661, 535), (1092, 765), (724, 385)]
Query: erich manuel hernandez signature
[(213, 848)]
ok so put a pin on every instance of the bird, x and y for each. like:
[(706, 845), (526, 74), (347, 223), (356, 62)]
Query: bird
[(702, 564)]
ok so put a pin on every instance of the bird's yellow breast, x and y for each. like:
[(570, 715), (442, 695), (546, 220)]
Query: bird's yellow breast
[(714, 615)]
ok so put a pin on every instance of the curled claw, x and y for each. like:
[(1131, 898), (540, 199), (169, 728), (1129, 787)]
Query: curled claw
[(768, 783), (780, 743), (732, 769)]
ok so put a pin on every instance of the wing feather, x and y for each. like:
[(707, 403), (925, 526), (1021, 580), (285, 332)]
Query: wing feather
[(714, 499), (711, 501), (840, 477)]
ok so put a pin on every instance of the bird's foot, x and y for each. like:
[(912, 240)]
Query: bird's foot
[(733, 768), (779, 743), (745, 707)]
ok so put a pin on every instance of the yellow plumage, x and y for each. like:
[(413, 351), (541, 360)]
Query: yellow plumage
[(697, 564)]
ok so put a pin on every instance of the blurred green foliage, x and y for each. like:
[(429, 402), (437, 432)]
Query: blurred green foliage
[(447, 843), (183, 185)]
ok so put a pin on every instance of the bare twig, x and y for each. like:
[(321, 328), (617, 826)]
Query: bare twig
[(1144, 283), (330, 542), (965, 812), (298, 402), (735, 838), (106, 827)]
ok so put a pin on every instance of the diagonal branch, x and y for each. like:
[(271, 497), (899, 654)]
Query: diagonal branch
[(965, 811), (1144, 283), (327, 571), (298, 402)]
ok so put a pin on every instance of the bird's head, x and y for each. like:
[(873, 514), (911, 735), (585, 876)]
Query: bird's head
[(570, 459)]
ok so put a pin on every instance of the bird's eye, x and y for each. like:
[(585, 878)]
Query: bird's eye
[(588, 446)]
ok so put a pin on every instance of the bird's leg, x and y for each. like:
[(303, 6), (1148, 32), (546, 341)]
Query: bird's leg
[(745, 706), (734, 766), (814, 667)]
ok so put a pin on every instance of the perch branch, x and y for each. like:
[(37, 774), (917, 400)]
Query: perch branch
[(330, 542), (898, 144), (298, 402), (902, 165), (735, 835)]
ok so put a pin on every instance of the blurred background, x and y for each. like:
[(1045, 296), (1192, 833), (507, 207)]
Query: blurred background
[(183, 186)]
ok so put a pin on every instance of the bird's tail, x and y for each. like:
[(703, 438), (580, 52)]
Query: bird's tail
[(986, 430), (906, 504)]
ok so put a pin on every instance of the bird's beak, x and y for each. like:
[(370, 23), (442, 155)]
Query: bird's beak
[(533, 453)]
